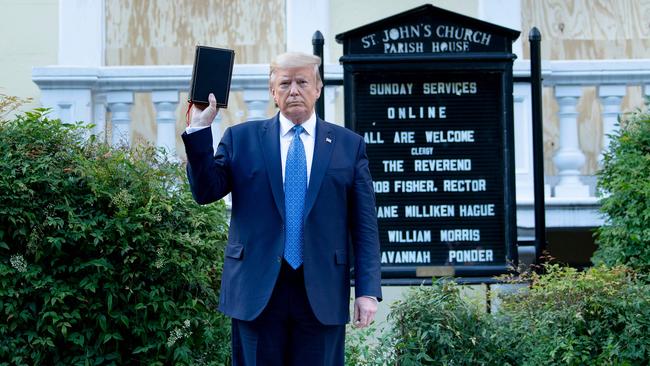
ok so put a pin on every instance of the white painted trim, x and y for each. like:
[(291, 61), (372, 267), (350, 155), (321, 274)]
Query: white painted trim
[(570, 212), (595, 72), (81, 32), (523, 140)]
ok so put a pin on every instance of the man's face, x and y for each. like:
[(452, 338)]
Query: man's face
[(295, 91)]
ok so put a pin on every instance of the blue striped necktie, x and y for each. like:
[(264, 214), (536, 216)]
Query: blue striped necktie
[(295, 189)]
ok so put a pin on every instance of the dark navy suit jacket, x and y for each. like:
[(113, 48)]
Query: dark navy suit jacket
[(339, 214)]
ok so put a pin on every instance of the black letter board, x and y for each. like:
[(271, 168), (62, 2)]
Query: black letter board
[(431, 93)]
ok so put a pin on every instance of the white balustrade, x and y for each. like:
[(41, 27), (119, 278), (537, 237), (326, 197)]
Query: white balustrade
[(166, 102), (76, 93), (569, 159), (253, 81), (257, 101), (610, 98), (119, 104), (611, 77)]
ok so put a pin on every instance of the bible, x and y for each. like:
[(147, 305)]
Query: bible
[(212, 73)]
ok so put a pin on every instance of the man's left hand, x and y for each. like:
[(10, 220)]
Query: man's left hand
[(364, 311)]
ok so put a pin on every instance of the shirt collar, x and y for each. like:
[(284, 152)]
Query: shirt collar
[(309, 125)]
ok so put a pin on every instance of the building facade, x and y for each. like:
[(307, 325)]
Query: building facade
[(125, 66)]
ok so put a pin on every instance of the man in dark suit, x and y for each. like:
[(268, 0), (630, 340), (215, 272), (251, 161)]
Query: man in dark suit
[(302, 196)]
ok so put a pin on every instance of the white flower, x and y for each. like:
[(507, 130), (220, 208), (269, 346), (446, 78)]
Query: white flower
[(18, 262), (174, 335), (160, 260), (122, 199), (179, 333)]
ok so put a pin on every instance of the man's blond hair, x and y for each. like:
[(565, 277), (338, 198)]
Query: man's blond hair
[(290, 60)]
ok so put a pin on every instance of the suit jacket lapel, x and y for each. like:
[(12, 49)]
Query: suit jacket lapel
[(323, 147), (270, 142)]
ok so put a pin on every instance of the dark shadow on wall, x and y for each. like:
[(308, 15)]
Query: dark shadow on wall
[(573, 246)]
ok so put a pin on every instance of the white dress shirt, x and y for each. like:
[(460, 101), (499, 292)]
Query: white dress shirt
[(308, 138)]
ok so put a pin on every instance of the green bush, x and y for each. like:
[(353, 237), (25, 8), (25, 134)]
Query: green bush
[(597, 317), (364, 348), (431, 325), (624, 183), (104, 256), (435, 326)]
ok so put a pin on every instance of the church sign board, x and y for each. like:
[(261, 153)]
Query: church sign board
[(431, 93)]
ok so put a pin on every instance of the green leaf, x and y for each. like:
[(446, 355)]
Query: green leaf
[(142, 349), (124, 320), (77, 339), (109, 301), (102, 322)]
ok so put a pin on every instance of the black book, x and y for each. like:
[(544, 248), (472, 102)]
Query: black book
[(212, 73)]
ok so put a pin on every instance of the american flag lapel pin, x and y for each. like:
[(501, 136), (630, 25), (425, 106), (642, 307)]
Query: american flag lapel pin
[(328, 140)]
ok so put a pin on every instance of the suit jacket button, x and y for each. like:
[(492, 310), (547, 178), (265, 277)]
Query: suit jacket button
[(279, 259)]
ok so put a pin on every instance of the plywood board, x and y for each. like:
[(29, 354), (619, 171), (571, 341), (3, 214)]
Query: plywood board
[(165, 32), (589, 29)]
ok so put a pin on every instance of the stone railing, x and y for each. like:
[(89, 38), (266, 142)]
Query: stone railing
[(611, 78), (571, 202), (87, 94)]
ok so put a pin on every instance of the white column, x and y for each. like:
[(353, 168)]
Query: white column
[(165, 102), (81, 43), (120, 103), (610, 98), (303, 19), (81, 32), (569, 159), (647, 91), (257, 100)]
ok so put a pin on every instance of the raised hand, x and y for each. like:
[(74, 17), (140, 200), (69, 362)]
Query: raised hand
[(203, 116)]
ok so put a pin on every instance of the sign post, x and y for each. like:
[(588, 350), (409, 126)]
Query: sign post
[(431, 93)]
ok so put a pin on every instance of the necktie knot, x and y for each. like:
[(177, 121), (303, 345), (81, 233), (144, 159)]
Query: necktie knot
[(297, 130)]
